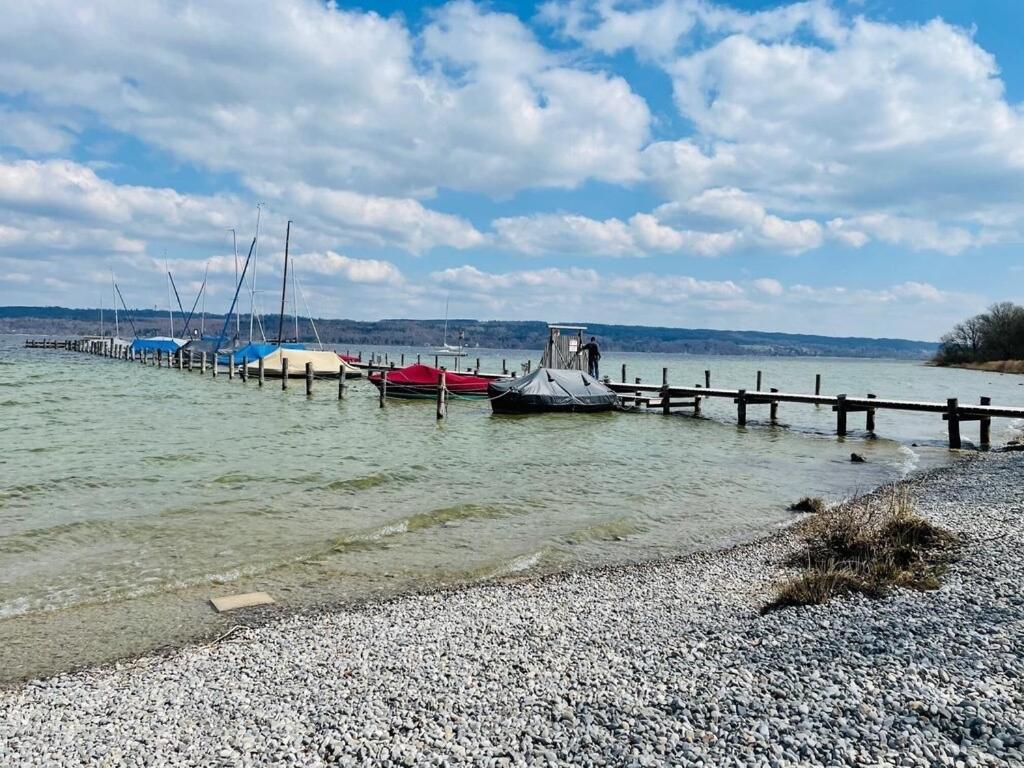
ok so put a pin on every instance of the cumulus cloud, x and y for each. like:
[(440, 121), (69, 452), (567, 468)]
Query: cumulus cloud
[(372, 271), (302, 89)]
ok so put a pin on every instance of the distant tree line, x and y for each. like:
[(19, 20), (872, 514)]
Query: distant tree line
[(997, 334), (494, 334)]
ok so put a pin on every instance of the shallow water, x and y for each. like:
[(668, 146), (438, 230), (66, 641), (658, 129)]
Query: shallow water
[(130, 495)]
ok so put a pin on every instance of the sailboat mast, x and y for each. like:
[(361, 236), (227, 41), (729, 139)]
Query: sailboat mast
[(170, 307), (234, 247), (444, 341), (284, 283), (295, 303), (202, 317), (113, 300), (252, 278)]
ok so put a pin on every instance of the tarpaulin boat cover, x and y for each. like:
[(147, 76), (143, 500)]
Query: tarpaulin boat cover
[(158, 344), (325, 363), (551, 389), (254, 350), (423, 377)]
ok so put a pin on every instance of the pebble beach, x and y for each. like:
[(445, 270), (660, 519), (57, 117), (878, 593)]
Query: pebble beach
[(664, 663)]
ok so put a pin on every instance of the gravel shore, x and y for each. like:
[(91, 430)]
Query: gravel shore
[(664, 663)]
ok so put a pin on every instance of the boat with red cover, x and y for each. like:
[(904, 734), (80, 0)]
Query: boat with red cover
[(420, 381)]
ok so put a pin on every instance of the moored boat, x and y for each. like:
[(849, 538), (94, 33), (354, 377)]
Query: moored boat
[(550, 390), (421, 381), (326, 364)]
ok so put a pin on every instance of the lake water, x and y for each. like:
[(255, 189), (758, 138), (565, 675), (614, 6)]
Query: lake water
[(130, 495)]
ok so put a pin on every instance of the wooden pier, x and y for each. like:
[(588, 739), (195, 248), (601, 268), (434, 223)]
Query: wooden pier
[(672, 399), (635, 396)]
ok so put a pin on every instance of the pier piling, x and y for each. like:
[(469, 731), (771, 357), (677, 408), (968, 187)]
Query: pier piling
[(440, 394), (707, 379), (284, 373), (245, 369), (841, 415), (231, 366), (869, 417), (309, 379), (773, 408), (758, 381), (341, 381), (741, 407), (261, 372), (953, 420), (985, 425)]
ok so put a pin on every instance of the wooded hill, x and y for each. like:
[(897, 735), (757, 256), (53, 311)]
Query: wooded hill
[(492, 334)]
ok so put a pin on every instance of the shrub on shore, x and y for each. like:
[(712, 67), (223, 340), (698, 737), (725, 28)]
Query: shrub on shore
[(814, 504), (867, 546)]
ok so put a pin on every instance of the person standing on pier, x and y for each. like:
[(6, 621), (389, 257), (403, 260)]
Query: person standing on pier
[(593, 357)]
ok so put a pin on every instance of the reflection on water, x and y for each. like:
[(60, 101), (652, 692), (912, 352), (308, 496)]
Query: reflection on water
[(129, 495)]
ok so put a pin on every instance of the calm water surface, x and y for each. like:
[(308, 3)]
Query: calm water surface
[(130, 495)]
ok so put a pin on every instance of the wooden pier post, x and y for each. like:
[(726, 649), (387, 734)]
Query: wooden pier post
[(741, 407), (261, 372), (418, 360), (440, 394), (159, 358), (181, 360), (504, 367), (341, 381), (985, 425), (214, 364), (231, 366), (664, 392), (402, 359), (773, 408), (841, 415), (953, 420), (309, 379), (383, 387), (758, 381), (478, 365), (869, 418), (707, 379), (284, 373), (202, 364), (191, 360), (623, 373), (817, 383), (696, 403), (436, 361), (638, 395), (245, 369)]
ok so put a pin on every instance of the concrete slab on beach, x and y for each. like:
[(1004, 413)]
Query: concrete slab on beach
[(234, 602)]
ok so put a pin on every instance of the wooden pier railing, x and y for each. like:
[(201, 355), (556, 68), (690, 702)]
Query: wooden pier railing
[(673, 398)]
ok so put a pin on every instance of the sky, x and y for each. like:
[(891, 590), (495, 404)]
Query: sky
[(849, 168)]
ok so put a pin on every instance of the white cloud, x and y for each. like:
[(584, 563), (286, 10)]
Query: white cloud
[(292, 89), (769, 286), (658, 29), (32, 133), (813, 112), (923, 310), (354, 270), (642, 235), (916, 234)]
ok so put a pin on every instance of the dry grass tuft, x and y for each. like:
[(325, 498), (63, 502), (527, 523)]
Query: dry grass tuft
[(814, 504), (867, 546)]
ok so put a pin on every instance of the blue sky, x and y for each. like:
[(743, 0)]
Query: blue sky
[(852, 168)]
